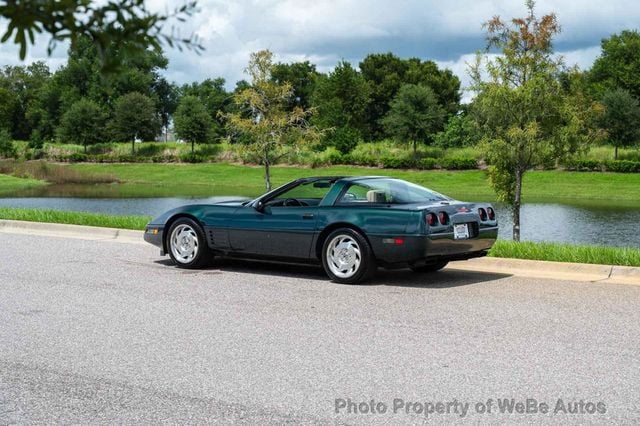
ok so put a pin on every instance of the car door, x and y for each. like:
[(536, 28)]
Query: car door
[(274, 231)]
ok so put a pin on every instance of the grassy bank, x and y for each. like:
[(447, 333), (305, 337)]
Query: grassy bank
[(567, 253), (12, 184), (229, 179), (75, 218), (204, 180), (506, 249)]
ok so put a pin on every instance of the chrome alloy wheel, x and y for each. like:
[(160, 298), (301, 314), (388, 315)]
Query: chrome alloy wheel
[(184, 243), (343, 256)]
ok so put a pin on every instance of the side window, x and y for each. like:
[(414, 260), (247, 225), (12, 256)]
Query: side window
[(360, 193), (306, 194)]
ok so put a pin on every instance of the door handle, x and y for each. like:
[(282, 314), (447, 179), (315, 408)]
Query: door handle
[(307, 216)]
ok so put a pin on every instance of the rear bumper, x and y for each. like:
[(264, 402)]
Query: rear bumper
[(425, 249), (155, 235)]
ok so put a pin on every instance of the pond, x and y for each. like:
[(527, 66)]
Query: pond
[(583, 224)]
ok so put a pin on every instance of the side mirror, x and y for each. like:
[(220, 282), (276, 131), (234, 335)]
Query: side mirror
[(259, 206)]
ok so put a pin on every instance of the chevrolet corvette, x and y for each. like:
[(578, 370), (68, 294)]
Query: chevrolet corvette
[(349, 225)]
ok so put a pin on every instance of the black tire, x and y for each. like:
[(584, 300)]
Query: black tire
[(355, 248), (193, 236), (429, 268)]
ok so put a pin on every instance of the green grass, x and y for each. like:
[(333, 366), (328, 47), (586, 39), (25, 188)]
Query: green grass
[(12, 184), (228, 179), (567, 253), (75, 218)]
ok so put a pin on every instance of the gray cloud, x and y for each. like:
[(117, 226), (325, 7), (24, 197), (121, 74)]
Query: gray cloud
[(325, 31)]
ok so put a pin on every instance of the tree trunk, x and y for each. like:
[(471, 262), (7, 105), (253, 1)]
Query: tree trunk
[(415, 150), (516, 206), (133, 147), (267, 173), (615, 152)]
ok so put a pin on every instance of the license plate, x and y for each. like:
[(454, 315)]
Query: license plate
[(461, 231)]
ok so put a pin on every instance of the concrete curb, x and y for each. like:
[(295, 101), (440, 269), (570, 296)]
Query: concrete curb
[(527, 268), (71, 231)]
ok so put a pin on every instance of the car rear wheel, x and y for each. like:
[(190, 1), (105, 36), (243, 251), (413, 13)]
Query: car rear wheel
[(429, 268), (187, 245), (347, 257)]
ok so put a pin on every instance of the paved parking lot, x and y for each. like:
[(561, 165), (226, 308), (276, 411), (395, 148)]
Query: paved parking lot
[(104, 332)]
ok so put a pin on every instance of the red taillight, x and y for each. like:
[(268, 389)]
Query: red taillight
[(431, 219), (492, 214), (483, 214), (444, 218)]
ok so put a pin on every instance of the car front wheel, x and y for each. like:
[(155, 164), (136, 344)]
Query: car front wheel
[(347, 257), (187, 245)]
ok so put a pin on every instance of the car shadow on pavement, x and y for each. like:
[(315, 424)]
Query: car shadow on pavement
[(446, 278)]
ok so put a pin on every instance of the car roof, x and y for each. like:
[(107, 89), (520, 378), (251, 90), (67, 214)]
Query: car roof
[(341, 178)]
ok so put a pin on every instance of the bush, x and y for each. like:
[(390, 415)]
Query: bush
[(7, 147), (344, 139), (192, 158), (164, 159), (459, 163), (209, 150), (149, 150), (100, 148), (622, 166), (427, 163), (397, 163), (36, 154), (78, 157), (584, 165)]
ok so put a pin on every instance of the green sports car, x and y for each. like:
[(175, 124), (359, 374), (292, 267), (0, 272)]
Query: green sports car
[(350, 225)]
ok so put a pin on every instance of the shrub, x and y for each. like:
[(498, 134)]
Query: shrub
[(7, 147), (164, 159), (192, 158), (344, 139), (78, 157), (149, 150), (209, 150), (584, 165), (427, 163), (100, 148), (622, 166), (397, 162), (459, 163)]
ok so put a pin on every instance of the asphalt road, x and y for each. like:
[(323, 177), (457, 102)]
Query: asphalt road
[(105, 332)]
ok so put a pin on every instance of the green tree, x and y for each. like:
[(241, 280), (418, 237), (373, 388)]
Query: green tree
[(302, 76), (526, 119), (8, 108), (341, 99), (135, 118), (83, 124), (109, 24), (619, 64), (263, 116), (461, 130), (26, 84), (415, 115), (7, 147), (192, 121), (386, 73), (216, 100), (166, 95), (621, 118)]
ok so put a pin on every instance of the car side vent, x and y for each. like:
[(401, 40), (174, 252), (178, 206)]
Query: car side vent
[(210, 238)]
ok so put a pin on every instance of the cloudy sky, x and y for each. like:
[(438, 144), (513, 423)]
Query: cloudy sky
[(326, 31)]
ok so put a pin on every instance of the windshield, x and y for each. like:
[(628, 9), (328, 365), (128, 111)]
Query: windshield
[(388, 191)]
